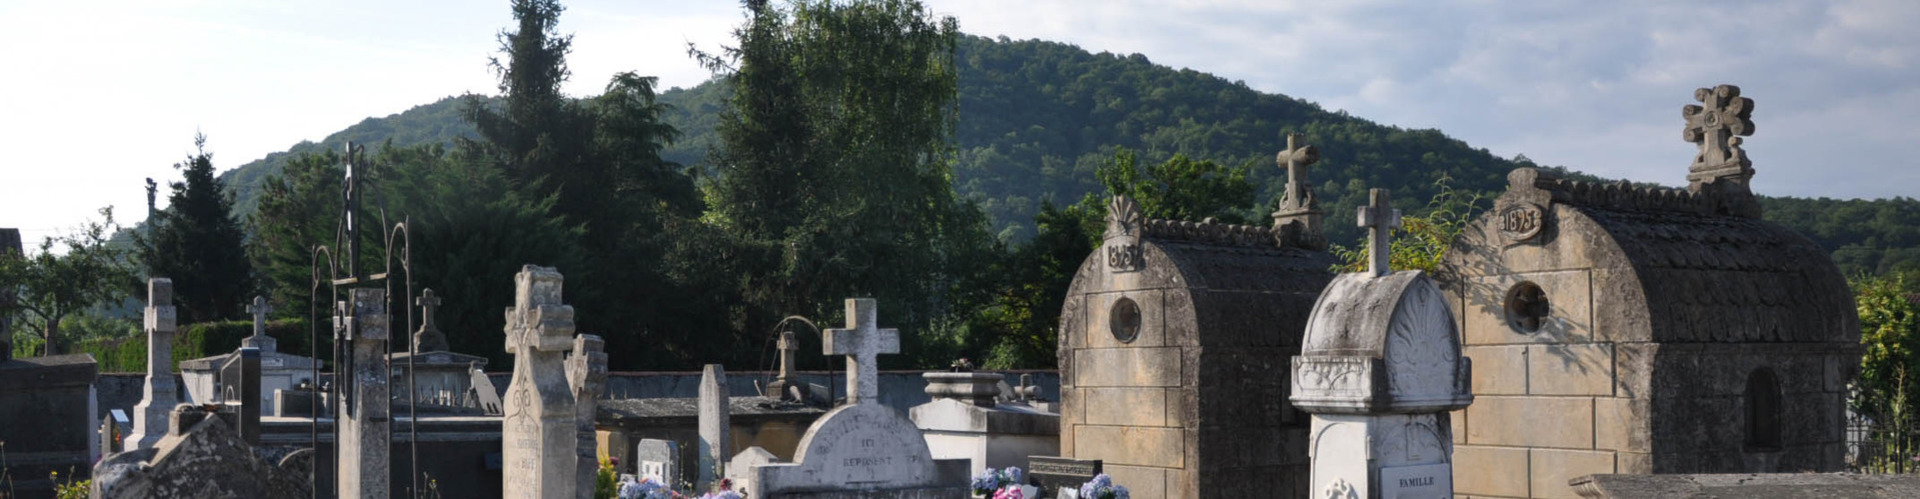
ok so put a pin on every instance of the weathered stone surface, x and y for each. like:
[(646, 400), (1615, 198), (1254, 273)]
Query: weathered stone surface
[(365, 418), (1498, 370), (47, 420), (1570, 369), (1490, 471), (716, 431), (1550, 469), (861, 447), (1552, 422), (1139, 367), (1781, 486), (540, 440), (1133, 445), (587, 377), (658, 459), (1615, 424), (206, 460), (161, 392)]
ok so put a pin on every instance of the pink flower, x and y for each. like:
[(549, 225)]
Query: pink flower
[(1009, 492)]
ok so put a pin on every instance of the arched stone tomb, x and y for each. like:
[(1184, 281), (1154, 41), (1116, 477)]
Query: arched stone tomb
[(1379, 369), (1628, 329)]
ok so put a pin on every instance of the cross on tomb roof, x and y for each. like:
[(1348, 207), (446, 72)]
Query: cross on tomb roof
[(787, 349), (259, 308), (1716, 128), (862, 342), (1379, 218), (1295, 159), (428, 338)]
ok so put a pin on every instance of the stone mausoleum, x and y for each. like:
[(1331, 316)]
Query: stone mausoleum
[(1623, 329), (1175, 340)]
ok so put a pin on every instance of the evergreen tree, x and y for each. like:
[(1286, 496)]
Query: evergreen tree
[(197, 243), (833, 162)]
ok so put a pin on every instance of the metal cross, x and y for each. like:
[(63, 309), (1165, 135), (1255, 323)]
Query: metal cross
[(862, 342), (1725, 116), (352, 198), (1295, 159), (1379, 218)]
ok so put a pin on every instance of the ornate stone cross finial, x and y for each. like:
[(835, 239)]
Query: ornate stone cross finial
[(259, 308), (1717, 128), (428, 338), (862, 342), (1299, 194), (538, 320), (1379, 218)]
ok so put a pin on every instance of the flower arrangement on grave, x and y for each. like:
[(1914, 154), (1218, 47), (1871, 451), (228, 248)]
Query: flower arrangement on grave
[(646, 488), (723, 490), (1102, 487), (996, 484)]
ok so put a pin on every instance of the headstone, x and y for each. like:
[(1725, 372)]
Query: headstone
[(364, 418), (863, 448), (47, 406), (111, 429), (716, 435), (658, 459), (260, 340), (587, 376), (160, 393), (438, 379), (779, 387), (966, 420), (540, 437), (1380, 368), (745, 461), (484, 394), (1058, 476)]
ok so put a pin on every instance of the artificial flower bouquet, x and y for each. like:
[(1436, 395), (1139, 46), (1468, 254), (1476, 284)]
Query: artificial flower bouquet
[(1102, 487)]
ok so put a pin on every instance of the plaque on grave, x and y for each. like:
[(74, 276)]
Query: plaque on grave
[(1057, 475), (658, 459)]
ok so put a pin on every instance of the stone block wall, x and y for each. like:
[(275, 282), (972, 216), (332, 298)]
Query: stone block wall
[(1549, 405)]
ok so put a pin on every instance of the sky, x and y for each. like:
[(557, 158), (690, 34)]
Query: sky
[(99, 96)]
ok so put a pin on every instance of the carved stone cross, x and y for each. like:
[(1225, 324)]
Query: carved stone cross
[(787, 347), (1379, 218), (260, 340), (1716, 128), (428, 338), (862, 342), (1295, 159)]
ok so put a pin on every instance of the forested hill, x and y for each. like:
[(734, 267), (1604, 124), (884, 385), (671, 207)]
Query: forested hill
[(1036, 118)]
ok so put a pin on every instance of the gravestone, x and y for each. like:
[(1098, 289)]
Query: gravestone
[(159, 394), (967, 419), (658, 459), (1379, 370), (260, 340), (112, 428), (540, 436), (364, 418), (745, 461), (249, 394), (587, 376), (863, 448), (1058, 476), (716, 426), (207, 378)]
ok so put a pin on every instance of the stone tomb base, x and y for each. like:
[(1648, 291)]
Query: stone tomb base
[(461, 454)]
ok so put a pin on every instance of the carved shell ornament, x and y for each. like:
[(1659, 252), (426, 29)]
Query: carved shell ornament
[(1123, 217)]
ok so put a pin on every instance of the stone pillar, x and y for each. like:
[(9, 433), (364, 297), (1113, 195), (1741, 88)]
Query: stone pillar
[(778, 387), (160, 393), (539, 438), (587, 376), (364, 419), (716, 426), (1379, 369)]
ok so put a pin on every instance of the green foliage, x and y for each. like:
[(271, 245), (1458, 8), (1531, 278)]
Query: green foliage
[(440, 122), (606, 483), (1179, 189), (1887, 391), (833, 164), (51, 286), (196, 243), (1420, 240), (1870, 236), (1025, 310), (129, 354)]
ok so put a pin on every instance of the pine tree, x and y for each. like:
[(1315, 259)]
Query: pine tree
[(197, 243)]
